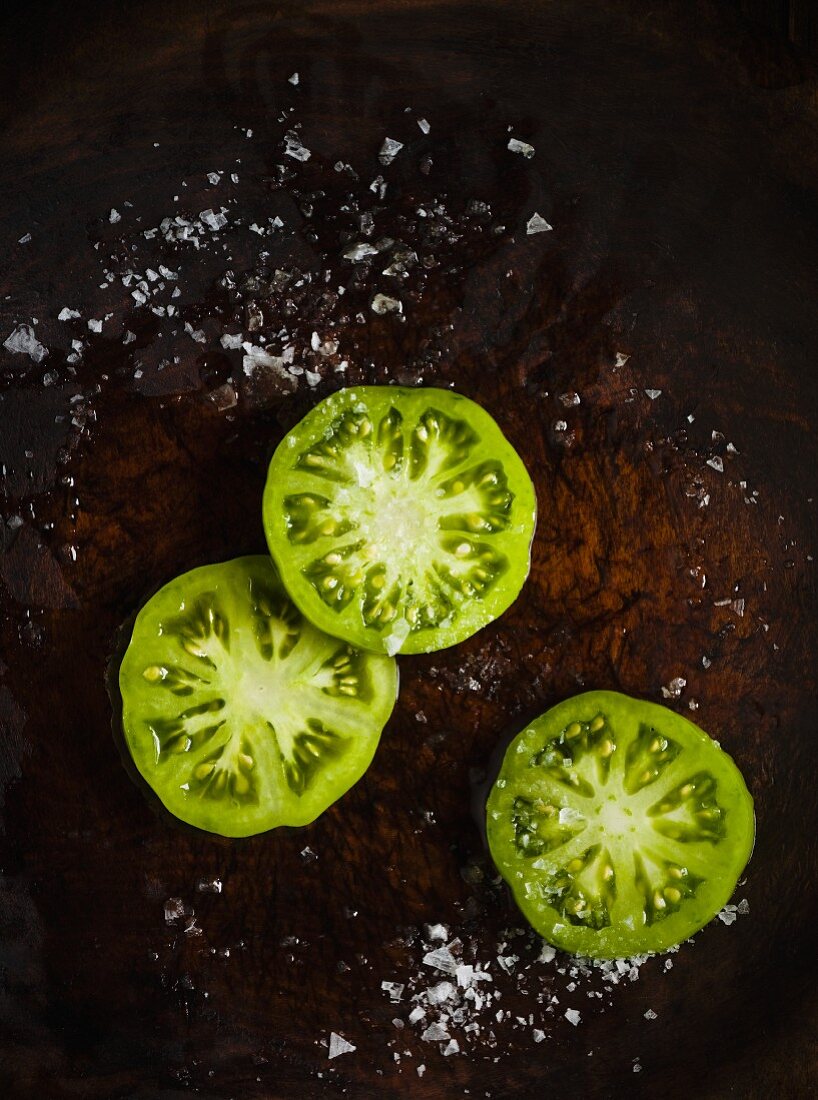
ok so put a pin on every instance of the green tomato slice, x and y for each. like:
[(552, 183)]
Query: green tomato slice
[(620, 826), (399, 519), (239, 713)]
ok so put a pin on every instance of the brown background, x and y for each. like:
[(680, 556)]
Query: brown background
[(676, 158)]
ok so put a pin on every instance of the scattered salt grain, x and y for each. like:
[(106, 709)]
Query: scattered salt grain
[(256, 357), (389, 150), (537, 1035), (537, 224), (716, 463), (395, 991), (129, 337), (653, 394), (621, 359), (651, 1015), (435, 1033), (437, 994), (743, 907), (209, 886), (293, 147), (24, 239), (572, 1016), (293, 79), (393, 643), (441, 958), (114, 217), (522, 147), (424, 126), (382, 304), (569, 400), (728, 914), (437, 932), (23, 342), (67, 314), (231, 342), (339, 1045), (674, 689), (359, 251), (95, 325), (174, 909), (213, 221)]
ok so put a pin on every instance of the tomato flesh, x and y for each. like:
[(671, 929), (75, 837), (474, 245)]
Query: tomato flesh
[(620, 826), (239, 713), (399, 519)]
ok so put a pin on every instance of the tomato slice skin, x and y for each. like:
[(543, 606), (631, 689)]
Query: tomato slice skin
[(620, 826), (239, 713), (400, 519)]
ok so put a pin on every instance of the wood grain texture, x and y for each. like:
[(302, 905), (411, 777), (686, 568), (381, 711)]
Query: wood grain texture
[(677, 162)]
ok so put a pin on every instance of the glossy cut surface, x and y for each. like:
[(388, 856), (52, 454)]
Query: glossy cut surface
[(238, 712), (400, 519), (620, 826)]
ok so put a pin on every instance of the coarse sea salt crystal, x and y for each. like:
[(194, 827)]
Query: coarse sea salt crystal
[(572, 1016), (22, 341), (95, 325), (114, 217), (389, 150), (213, 221), (674, 689), (394, 641), (339, 1045), (67, 314), (653, 394), (439, 993), (394, 989), (293, 79), (424, 126), (359, 251), (382, 303), (650, 1014), (231, 342), (293, 147), (441, 958), (436, 932), (522, 147), (537, 224), (716, 463), (435, 1033)]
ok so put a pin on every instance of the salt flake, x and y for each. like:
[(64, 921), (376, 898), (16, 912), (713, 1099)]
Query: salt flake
[(389, 150), (521, 147), (23, 342), (537, 224), (339, 1045)]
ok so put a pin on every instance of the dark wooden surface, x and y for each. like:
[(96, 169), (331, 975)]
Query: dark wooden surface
[(676, 159)]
